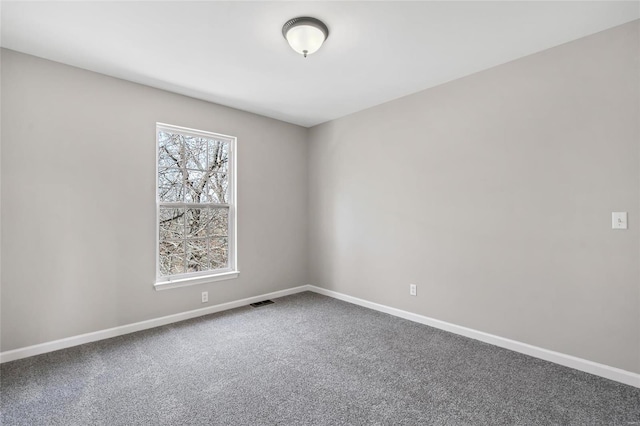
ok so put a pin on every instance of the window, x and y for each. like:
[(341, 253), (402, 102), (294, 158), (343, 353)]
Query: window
[(195, 206)]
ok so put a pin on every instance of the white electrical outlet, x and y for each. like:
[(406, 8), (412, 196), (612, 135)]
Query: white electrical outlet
[(205, 296), (413, 289)]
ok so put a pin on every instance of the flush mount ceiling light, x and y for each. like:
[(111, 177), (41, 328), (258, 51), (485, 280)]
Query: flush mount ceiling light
[(305, 35)]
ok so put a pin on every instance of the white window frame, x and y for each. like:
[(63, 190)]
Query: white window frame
[(201, 277)]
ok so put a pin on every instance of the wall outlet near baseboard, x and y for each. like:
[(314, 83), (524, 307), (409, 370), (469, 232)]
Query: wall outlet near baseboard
[(413, 289), (205, 296)]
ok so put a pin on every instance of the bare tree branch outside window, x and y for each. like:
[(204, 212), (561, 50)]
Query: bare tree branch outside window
[(193, 192)]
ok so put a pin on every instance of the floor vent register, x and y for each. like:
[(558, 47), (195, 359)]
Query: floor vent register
[(263, 303)]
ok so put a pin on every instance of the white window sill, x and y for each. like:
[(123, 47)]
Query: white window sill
[(184, 282)]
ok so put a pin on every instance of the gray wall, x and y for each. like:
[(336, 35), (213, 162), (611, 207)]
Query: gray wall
[(494, 194), (78, 201)]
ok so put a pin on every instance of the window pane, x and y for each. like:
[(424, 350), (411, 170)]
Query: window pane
[(170, 194), (197, 259), (171, 223), (169, 149), (172, 257), (196, 152), (193, 176), (170, 185), (195, 191), (169, 177), (219, 252), (218, 156), (219, 224), (217, 188), (197, 221)]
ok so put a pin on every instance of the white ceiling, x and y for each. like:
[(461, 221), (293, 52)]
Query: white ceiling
[(233, 53)]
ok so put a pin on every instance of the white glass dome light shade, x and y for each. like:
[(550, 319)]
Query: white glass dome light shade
[(305, 35), (305, 39)]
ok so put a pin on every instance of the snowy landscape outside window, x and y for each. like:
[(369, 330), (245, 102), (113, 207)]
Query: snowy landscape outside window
[(195, 203)]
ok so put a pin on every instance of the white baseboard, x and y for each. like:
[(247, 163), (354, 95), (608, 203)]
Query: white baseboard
[(591, 367), (138, 326), (612, 373)]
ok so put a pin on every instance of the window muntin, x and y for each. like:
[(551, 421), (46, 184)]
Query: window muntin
[(195, 203)]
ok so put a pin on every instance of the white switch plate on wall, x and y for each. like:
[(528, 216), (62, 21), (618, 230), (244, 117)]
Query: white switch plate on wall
[(619, 220)]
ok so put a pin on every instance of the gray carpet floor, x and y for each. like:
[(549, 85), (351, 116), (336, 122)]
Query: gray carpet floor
[(304, 360)]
